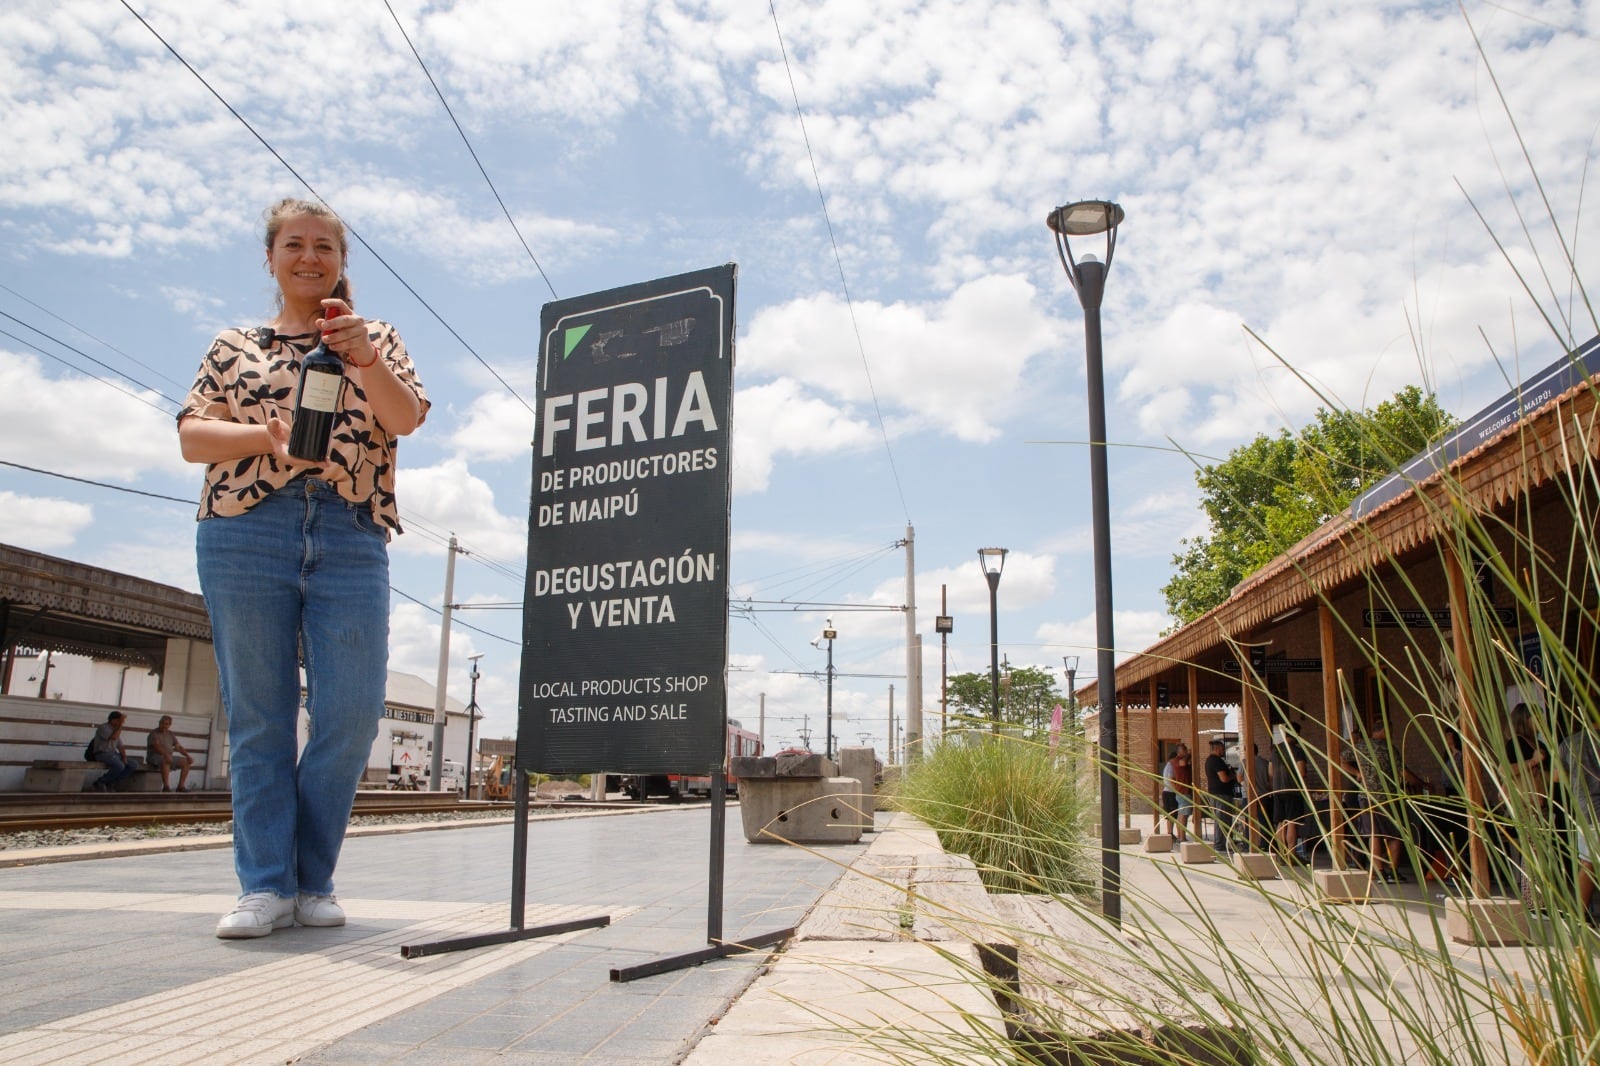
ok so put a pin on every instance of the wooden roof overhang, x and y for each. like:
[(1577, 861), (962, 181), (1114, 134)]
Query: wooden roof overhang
[(1526, 456), (51, 604)]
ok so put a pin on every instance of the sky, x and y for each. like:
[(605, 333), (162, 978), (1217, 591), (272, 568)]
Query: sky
[(1325, 201)]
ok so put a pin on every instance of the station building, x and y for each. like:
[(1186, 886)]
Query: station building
[(80, 641), (1442, 593)]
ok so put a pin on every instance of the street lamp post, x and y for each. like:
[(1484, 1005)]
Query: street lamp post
[(1070, 664), (828, 635), (993, 561), (1089, 218), (472, 721)]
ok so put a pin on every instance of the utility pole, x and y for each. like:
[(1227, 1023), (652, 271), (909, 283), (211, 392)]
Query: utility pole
[(892, 757), (436, 764), (763, 729), (913, 667)]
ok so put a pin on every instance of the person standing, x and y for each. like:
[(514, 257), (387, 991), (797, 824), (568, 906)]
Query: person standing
[(1220, 781), (293, 563), (106, 747), (1169, 795), (163, 750)]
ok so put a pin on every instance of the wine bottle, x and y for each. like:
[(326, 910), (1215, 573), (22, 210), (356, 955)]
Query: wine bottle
[(316, 404)]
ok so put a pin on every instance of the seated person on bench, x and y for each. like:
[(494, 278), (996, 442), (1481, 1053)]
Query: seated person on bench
[(164, 751)]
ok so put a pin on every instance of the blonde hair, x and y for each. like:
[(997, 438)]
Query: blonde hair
[(292, 207)]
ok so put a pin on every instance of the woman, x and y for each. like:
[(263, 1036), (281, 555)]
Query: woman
[(293, 563), (1183, 789)]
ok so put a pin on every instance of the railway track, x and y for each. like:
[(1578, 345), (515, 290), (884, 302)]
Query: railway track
[(32, 812)]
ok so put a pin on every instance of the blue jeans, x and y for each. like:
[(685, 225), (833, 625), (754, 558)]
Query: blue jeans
[(305, 574), (116, 768)]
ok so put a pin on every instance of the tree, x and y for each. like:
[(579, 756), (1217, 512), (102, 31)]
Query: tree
[(1028, 696), (1272, 492)]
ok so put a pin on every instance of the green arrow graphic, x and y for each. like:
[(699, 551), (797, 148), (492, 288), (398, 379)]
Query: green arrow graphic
[(574, 335)]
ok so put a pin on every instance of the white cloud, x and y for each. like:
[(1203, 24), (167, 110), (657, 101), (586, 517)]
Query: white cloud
[(1134, 631), (954, 367), (448, 496), (82, 426), (41, 523), (777, 419), (496, 426)]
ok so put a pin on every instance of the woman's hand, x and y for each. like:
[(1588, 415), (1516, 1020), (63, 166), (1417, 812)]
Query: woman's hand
[(278, 436), (345, 332)]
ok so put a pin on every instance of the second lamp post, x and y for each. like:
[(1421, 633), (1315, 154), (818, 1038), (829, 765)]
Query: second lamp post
[(993, 561)]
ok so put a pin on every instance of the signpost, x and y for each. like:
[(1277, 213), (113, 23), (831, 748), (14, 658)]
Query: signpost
[(625, 634), (625, 608)]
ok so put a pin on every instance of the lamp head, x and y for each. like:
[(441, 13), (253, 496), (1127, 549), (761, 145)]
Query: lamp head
[(1086, 218), (993, 560)]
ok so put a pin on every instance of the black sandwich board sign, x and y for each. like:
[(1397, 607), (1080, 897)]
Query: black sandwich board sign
[(625, 634), (625, 606)]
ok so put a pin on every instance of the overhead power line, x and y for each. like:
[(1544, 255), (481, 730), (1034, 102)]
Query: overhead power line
[(838, 261), (99, 484), (70, 366), (312, 189), (470, 151), (103, 343)]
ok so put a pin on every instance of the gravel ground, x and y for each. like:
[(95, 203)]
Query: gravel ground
[(55, 838)]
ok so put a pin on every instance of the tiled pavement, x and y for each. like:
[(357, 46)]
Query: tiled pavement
[(113, 960)]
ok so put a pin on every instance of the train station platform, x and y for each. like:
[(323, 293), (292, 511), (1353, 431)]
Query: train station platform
[(114, 960)]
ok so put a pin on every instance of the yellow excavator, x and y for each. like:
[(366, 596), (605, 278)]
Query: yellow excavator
[(497, 778)]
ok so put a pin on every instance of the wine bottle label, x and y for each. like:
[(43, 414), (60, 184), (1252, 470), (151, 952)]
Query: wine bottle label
[(321, 392)]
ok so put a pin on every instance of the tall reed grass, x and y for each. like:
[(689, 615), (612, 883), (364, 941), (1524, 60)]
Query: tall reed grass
[(1208, 967)]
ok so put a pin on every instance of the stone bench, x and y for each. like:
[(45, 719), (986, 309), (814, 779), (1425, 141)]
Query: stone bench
[(796, 799), (75, 775), (60, 775)]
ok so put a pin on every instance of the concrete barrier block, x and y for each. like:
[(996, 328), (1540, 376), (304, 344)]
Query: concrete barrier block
[(1157, 843), (1193, 852), (1130, 835), (801, 810), (747, 767), (1255, 866), (1343, 886), (803, 764), (861, 764), (1498, 922)]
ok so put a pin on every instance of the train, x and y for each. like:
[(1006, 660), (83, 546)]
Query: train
[(675, 787)]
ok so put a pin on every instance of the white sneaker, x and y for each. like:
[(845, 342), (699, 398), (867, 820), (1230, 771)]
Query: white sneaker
[(256, 914), (318, 910)]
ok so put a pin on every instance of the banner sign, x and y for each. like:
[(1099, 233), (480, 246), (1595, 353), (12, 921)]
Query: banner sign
[(1276, 666), (625, 609), (1514, 406), (1423, 618)]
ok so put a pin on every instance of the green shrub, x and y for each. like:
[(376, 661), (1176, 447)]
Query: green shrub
[(1016, 808)]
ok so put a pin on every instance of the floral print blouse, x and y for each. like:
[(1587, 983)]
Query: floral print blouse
[(245, 380)]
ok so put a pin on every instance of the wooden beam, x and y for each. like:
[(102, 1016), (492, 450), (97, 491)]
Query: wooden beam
[(1471, 734), (1331, 702)]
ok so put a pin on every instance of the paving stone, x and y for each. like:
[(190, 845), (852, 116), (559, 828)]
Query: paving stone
[(344, 996)]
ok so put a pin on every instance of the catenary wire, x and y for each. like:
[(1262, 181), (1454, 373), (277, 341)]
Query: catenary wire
[(312, 189), (94, 377), (470, 150), (103, 343), (98, 484), (839, 262), (195, 503)]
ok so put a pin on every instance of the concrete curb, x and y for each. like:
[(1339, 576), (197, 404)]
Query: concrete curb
[(879, 970)]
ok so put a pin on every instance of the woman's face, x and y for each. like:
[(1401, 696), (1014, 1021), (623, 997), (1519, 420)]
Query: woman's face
[(305, 259)]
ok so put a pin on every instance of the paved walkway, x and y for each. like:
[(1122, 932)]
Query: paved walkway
[(114, 960)]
